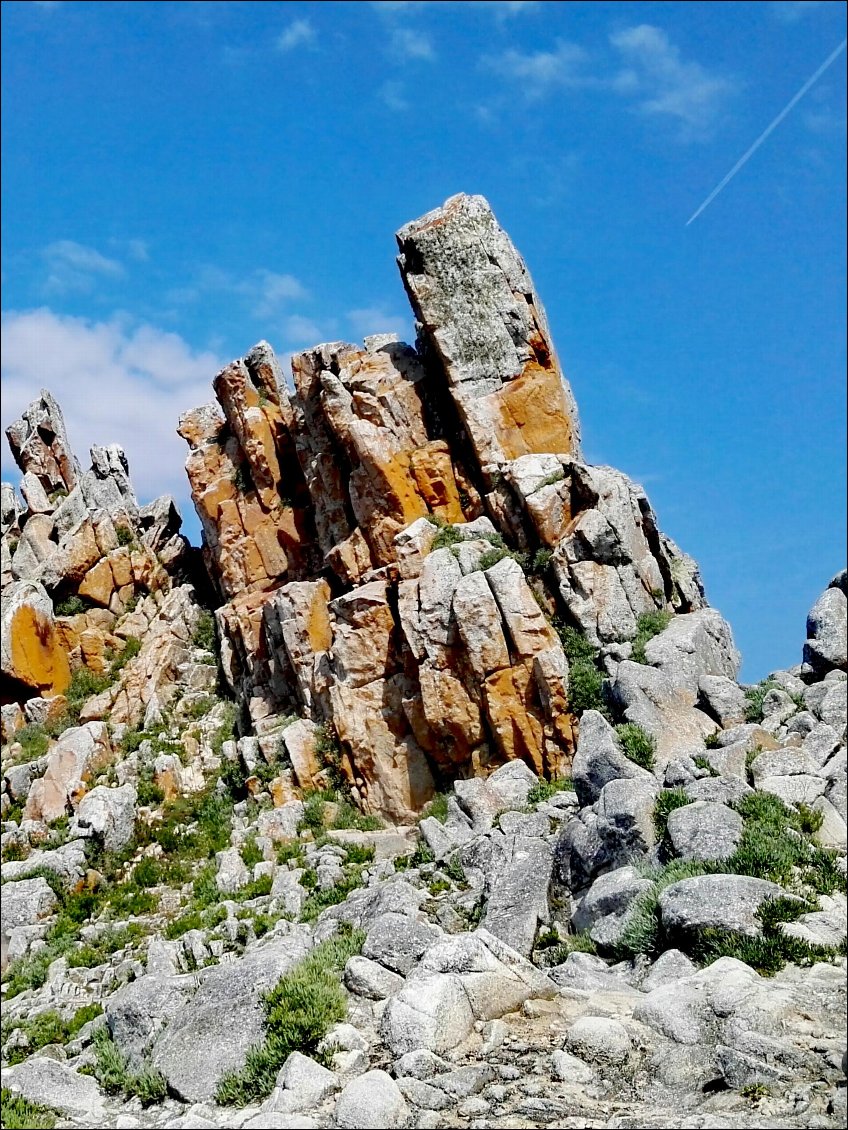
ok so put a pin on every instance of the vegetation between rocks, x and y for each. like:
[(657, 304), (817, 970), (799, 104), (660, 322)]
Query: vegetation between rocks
[(637, 744), (648, 625), (299, 1011), (18, 1113), (113, 1072)]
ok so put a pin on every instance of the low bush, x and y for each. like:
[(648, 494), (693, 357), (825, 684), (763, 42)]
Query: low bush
[(638, 745), (50, 1028), (112, 1071), (667, 801), (755, 696), (299, 1011), (34, 740), (70, 606), (18, 1113), (648, 625), (204, 635)]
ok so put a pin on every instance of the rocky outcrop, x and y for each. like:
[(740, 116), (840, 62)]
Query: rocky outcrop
[(393, 536)]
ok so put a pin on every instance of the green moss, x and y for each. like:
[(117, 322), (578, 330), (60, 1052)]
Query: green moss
[(637, 744), (299, 1011), (18, 1113)]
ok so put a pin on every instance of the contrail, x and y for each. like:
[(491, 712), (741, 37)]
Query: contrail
[(789, 106)]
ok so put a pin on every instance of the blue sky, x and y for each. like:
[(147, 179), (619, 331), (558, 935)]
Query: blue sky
[(182, 179)]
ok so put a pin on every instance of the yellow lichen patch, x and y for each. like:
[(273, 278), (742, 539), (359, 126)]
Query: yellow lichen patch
[(38, 658), (531, 414), (518, 732), (318, 627), (432, 470)]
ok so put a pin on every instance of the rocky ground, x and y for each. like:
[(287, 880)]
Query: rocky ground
[(427, 795)]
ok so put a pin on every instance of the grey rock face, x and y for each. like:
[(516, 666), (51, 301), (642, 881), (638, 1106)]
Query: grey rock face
[(599, 759), (473, 294), (702, 830), (39, 444), (398, 941), (26, 901), (226, 1008), (693, 646), (44, 1080), (431, 1012), (725, 901), (625, 812), (372, 1102), (603, 909), (108, 813), (827, 629), (599, 1039), (370, 979), (518, 892), (648, 698), (722, 698)]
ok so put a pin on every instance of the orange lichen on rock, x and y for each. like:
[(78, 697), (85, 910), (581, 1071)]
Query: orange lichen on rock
[(38, 658)]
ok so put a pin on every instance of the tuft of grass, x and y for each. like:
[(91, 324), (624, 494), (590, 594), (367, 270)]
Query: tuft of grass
[(125, 535), (112, 1071), (34, 739), (667, 801), (299, 1011), (648, 625), (49, 1028), (638, 745), (437, 807), (540, 561), (754, 699), (642, 931), (712, 741), (18, 1113), (492, 557), (250, 853), (557, 949), (755, 1092), (585, 680), (544, 790), (704, 763)]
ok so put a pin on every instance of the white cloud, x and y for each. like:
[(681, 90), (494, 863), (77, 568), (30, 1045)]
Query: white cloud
[(73, 266), (264, 292), (411, 44), (790, 11), (116, 383), (376, 320), (665, 84), (48, 5), (302, 333), (541, 71), (393, 95), (298, 32)]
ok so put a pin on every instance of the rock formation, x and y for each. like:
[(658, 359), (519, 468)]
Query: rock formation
[(455, 814)]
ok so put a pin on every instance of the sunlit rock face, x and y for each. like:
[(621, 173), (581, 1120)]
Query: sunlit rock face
[(393, 530)]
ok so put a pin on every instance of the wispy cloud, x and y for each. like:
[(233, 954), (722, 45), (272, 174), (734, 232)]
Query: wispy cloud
[(73, 266), (539, 72), (298, 32), (411, 44), (48, 5), (790, 11), (376, 320), (116, 382), (664, 84), (265, 292), (393, 95), (301, 333)]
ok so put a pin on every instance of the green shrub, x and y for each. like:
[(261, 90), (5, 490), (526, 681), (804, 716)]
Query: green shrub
[(250, 852), (50, 1028), (638, 745), (299, 1011), (648, 625), (642, 931), (446, 537), (437, 808), (34, 740), (84, 683), (544, 790), (113, 1073), (242, 479), (754, 699), (205, 635), (755, 1092), (554, 477), (18, 1113), (131, 649), (712, 741), (585, 687), (125, 535), (558, 948), (491, 557), (540, 561), (667, 801), (70, 606), (226, 731), (704, 763)]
